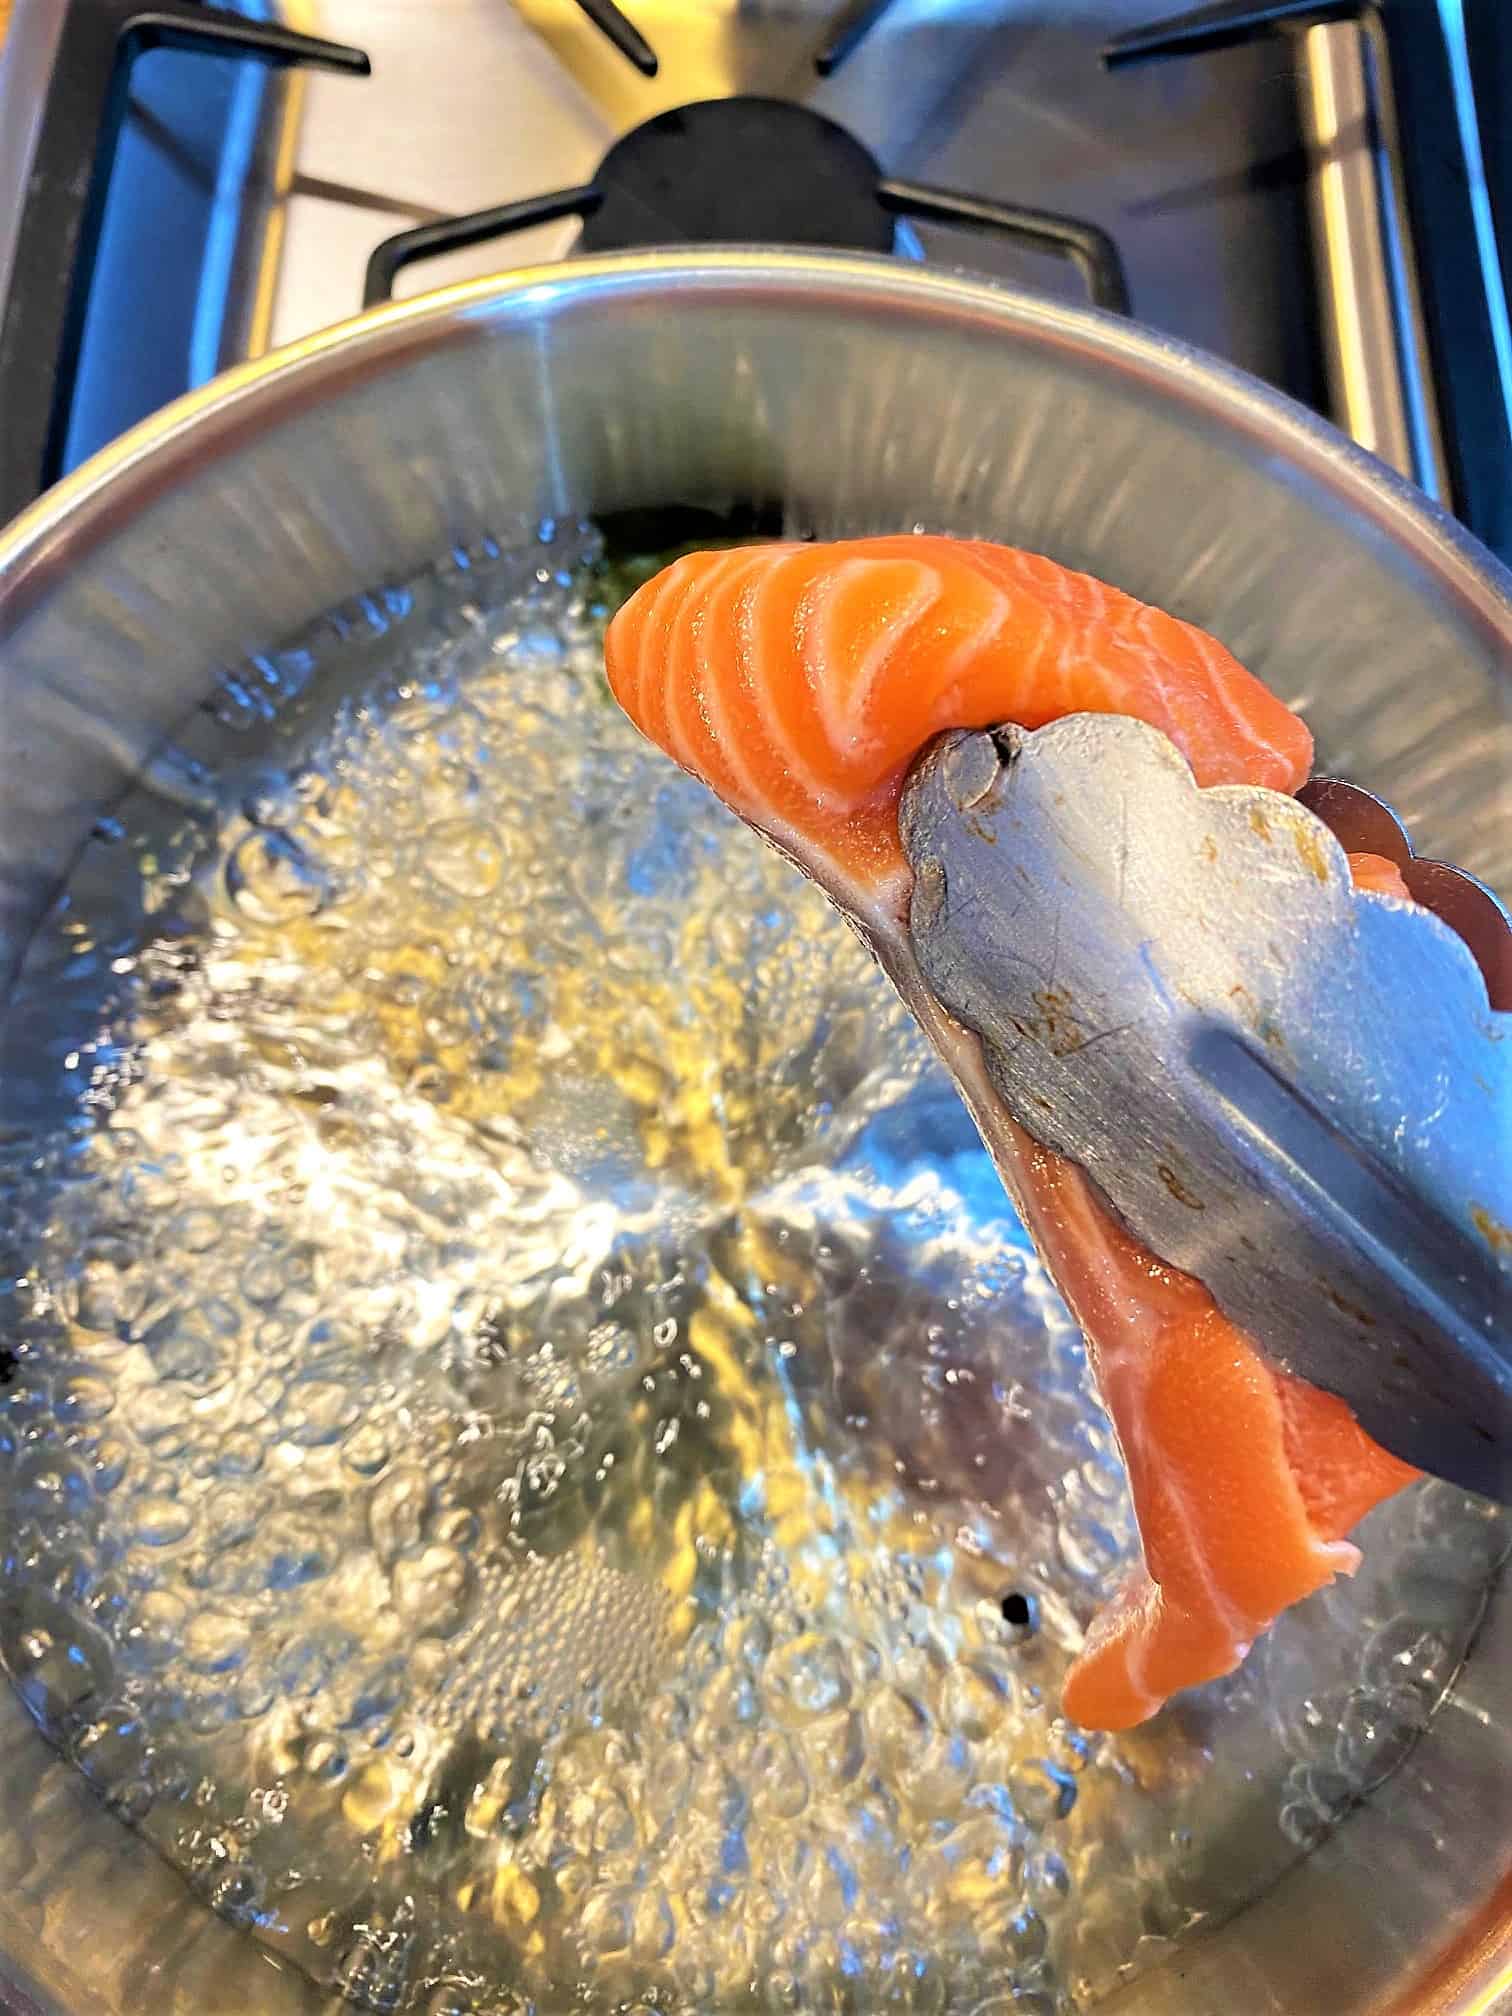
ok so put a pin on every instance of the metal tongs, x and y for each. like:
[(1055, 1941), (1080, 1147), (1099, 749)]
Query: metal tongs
[(1297, 1092)]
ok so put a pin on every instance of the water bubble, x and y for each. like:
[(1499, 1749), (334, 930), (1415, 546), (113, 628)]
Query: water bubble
[(305, 1665), (455, 1526), (974, 1700), (301, 1268), (106, 1299), (185, 1346), (897, 1725), (326, 1759), (160, 1522), (253, 1693), (320, 1411), (808, 1677), (613, 1827), (262, 1279), (1089, 1549), (653, 1927), (396, 1510), (85, 1398), (196, 1230), (59, 1665), (750, 1640), (366, 1448), (459, 1998), (294, 1553), (239, 1454), (608, 1920), (1048, 1879), (464, 857), (237, 1894), (775, 1768), (208, 1712), (111, 1748), (937, 1775), (668, 1788), (1042, 1792), (109, 1463), (51, 1485), (216, 1643), (155, 1632), (834, 1748), (272, 880), (430, 1589), (373, 1972)]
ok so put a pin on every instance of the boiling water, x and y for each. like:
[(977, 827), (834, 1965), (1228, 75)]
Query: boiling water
[(537, 1466)]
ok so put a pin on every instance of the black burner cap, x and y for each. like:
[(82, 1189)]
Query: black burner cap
[(738, 170)]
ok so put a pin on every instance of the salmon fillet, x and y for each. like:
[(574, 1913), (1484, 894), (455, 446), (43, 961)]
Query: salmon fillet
[(1380, 876), (799, 682)]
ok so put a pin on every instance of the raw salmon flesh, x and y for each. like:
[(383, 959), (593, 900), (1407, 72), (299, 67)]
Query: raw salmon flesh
[(799, 682)]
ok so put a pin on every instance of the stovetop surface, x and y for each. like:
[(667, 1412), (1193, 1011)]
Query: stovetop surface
[(244, 203), (1195, 169)]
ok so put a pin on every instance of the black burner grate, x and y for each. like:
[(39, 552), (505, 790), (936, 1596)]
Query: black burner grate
[(623, 33), (750, 170), (60, 224), (842, 37)]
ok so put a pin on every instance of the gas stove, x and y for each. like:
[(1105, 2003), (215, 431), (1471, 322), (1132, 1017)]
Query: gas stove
[(1320, 192)]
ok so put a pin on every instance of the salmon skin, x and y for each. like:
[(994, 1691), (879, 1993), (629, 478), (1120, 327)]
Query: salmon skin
[(799, 682)]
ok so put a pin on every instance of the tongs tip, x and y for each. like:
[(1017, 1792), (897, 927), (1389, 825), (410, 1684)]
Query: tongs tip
[(1365, 824), (1328, 1068)]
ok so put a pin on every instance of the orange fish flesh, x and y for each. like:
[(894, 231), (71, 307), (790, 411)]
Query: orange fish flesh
[(800, 682)]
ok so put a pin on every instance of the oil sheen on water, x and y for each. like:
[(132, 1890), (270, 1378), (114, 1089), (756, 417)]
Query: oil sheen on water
[(536, 1466)]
